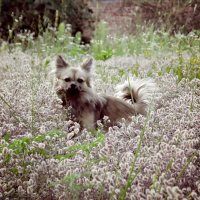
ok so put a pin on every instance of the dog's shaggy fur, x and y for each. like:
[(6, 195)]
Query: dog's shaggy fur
[(73, 86)]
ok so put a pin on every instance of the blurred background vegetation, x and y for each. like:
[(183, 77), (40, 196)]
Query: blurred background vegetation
[(36, 16), (105, 28)]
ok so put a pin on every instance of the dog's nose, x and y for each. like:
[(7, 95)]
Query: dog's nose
[(73, 86)]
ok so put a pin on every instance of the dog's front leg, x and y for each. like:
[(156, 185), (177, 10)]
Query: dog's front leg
[(88, 120)]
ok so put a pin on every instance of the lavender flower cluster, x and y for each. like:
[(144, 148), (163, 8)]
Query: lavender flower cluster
[(153, 157)]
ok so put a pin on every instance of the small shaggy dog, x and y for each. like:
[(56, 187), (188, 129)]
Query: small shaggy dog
[(73, 86)]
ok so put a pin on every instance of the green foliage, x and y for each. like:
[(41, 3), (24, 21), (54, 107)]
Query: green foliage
[(101, 48), (86, 148), (148, 43), (185, 166), (188, 69), (104, 54), (21, 146), (74, 187), (134, 171)]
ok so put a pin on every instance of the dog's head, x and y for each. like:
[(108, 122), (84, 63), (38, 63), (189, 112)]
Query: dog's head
[(74, 81)]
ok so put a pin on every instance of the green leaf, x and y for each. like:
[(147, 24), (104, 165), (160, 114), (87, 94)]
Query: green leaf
[(66, 156), (6, 137), (61, 29)]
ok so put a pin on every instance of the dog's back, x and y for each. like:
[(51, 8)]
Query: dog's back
[(116, 109)]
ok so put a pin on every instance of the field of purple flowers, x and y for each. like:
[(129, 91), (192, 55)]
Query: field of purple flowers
[(43, 154)]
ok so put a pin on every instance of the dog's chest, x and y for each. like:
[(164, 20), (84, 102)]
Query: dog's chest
[(85, 115)]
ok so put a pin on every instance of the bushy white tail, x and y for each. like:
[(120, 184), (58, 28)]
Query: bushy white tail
[(140, 92)]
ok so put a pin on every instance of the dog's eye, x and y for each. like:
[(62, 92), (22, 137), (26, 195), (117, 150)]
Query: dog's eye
[(67, 79), (80, 80)]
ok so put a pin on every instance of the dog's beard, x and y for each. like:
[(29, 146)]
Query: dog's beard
[(73, 93), (80, 96)]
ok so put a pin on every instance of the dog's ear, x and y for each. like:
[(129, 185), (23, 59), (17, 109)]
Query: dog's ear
[(60, 63), (87, 65)]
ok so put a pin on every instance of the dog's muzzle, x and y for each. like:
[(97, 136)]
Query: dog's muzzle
[(73, 90)]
